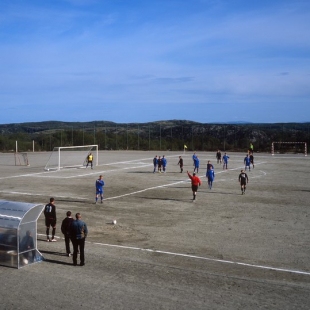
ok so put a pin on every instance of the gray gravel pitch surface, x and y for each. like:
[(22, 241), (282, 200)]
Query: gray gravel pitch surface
[(225, 251)]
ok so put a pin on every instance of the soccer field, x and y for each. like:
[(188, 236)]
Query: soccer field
[(225, 251)]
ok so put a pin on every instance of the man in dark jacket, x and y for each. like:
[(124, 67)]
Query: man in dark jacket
[(79, 233), (26, 245), (66, 230)]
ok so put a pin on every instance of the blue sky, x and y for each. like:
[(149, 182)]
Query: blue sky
[(140, 61)]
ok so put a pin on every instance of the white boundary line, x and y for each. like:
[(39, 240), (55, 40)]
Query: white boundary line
[(199, 257), (136, 192)]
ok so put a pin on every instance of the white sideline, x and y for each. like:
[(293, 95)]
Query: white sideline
[(199, 257)]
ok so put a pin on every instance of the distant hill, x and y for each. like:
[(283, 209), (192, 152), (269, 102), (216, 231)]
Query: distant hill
[(159, 135)]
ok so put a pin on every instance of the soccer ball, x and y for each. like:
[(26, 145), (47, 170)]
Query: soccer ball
[(25, 261), (114, 222)]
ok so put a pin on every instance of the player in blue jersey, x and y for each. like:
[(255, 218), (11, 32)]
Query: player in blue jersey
[(194, 157), (210, 175), (247, 162), (196, 164), (225, 161), (99, 189), (164, 162)]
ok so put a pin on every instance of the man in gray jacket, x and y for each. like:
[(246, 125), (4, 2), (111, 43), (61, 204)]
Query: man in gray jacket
[(79, 233)]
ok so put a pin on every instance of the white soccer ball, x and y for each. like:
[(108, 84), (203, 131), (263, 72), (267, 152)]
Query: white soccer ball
[(48, 170), (25, 261), (114, 222)]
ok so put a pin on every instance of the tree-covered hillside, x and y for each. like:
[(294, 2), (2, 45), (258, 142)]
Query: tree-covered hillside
[(161, 135)]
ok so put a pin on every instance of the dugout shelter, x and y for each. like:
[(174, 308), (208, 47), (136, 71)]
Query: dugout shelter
[(18, 233)]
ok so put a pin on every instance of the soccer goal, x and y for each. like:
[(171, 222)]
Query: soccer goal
[(71, 157), (21, 159), (289, 147)]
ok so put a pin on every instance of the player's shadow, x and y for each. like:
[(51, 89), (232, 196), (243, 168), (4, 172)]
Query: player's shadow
[(53, 261), (57, 262), (185, 186), (71, 200), (39, 239), (215, 192), (156, 172), (53, 253), (139, 172)]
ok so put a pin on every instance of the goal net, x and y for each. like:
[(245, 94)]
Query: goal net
[(289, 147), (21, 159), (71, 157)]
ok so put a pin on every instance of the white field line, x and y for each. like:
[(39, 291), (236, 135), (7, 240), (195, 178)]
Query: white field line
[(199, 257), (132, 193), (140, 166), (27, 175), (164, 185), (44, 195)]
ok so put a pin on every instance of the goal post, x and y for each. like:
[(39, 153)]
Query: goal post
[(290, 146), (21, 159), (71, 157)]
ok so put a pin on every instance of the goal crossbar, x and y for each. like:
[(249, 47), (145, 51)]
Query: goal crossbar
[(292, 143)]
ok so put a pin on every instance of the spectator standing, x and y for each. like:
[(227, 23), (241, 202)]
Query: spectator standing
[(66, 230), (79, 233)]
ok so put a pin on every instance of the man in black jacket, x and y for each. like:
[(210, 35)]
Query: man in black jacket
[(65, 229)]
